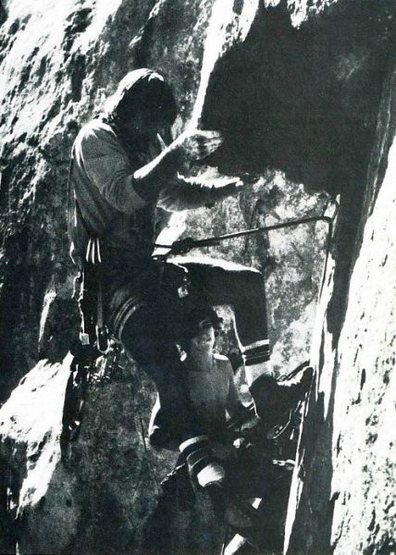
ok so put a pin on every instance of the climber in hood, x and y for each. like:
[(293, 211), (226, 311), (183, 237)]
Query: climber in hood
[(125, 166)]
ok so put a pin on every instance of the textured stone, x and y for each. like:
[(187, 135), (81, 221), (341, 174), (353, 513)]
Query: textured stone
[(95, 499), (343, 492), (297, 87), (59, 62), (62, 77)]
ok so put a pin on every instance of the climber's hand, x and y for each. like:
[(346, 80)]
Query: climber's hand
[(198, 145)]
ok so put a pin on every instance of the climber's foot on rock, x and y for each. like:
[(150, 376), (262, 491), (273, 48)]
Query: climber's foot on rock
[(273, 398), (242, 518)]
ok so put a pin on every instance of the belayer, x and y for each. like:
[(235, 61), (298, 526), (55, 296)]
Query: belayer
[(256, 454), (124, 167)]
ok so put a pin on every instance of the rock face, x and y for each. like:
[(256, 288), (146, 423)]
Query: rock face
[(54, 81), (96, 498), (59, 64), (343, 493), (302, 88), (322, 86)]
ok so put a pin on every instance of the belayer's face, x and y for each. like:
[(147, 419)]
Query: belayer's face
[(204, 339)]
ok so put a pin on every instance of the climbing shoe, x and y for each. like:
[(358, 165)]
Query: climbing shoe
[(243, 519), (273, 398), (236, 513)]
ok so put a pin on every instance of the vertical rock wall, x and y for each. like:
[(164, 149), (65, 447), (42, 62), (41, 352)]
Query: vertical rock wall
[(303, 88), (59, 62), (310, 91), (344, 488)]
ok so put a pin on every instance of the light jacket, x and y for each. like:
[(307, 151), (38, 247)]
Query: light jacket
[(108, 206)]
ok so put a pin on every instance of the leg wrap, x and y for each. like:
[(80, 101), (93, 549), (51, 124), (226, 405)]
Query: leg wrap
[(203, 468), (256, 353)]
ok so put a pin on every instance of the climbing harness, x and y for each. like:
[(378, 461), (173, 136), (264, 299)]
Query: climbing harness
[(93, 338), (93, 342)]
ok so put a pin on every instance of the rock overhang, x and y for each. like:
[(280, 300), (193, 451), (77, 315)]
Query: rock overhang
[(301, 99)]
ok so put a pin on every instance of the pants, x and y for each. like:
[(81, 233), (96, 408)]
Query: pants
[(218, 282), (146, 310)]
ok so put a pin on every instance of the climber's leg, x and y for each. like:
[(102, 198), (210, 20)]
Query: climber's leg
[(217, 282), (147, 340), (220, 282), (141, 302)]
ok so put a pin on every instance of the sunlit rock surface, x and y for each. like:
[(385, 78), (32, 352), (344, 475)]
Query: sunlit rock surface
[(302, 92), (58, 64), (96, 499), (343, 493)]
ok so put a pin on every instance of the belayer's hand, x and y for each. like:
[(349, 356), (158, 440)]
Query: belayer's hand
[(198, 145)]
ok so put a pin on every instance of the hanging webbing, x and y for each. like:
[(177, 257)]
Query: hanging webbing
[(185, 245)]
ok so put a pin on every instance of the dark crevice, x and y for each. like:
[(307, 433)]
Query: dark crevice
[(42, 68), (5, 178), (3, 13), (141, 51), (238, 6), (362, 378), (25, 75), (21, 305), (79, 21), (316, 443), (7, 532), (78, 73), (386, 122), (302, 101), (344, 251), (14, 27)]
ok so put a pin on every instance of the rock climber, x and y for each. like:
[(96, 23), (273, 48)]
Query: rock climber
[(253, 471), (125, 166), (208, 378)]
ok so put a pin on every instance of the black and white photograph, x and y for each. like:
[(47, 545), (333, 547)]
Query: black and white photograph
[(197, 277)]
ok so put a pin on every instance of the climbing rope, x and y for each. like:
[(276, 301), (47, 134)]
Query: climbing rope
[(183, 246)]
